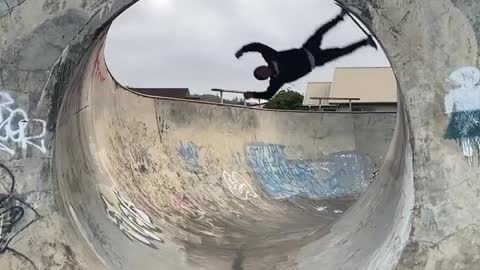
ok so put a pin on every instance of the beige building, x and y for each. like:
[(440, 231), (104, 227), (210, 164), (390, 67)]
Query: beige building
[(355, 88), (316, 89)]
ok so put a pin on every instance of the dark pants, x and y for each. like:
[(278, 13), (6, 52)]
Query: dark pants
[(323, 56)]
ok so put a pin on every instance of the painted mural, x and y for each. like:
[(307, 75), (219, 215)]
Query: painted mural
[(339, 174), (462, 104)]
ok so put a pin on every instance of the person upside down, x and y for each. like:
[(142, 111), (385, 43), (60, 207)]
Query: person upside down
[(290, 65)]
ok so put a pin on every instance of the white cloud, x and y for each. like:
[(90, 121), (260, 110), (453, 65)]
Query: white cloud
[(189, 43)]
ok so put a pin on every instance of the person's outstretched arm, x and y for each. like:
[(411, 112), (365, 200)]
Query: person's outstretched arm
[(267, 52), (271, 91)]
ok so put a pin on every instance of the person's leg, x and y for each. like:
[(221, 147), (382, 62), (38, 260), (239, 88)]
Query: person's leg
[(315, 40), (324, 56)]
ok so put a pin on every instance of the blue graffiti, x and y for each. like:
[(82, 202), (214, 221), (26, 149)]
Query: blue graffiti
[(189, 153), (339, 174)]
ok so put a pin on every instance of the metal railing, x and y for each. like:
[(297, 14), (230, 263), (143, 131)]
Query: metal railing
[(221, 91), (333, 98)]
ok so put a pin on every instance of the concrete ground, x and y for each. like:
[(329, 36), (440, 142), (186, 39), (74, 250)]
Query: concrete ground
[(103, 178)]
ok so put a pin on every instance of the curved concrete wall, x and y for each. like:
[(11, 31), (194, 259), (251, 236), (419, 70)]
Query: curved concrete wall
[(217, 181), (50, 48)]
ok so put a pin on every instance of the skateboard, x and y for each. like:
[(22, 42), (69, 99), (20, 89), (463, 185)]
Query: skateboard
[(354, 19)]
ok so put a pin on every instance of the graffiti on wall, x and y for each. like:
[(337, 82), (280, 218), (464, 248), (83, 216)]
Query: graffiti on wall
[(189, 153), (182, 204), (98, 64), (235, 182), (15, 126), (16, 215), (462, 104), (338, 174), (238, 186), (131, 221), (325, 209)]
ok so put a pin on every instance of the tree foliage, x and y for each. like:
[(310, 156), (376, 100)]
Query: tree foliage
[(286, 99)]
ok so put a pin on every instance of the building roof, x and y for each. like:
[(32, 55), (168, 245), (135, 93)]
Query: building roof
[(164, 92), (316, 89), (370, 84)]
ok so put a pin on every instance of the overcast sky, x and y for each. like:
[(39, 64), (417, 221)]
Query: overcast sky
[(191, 43)]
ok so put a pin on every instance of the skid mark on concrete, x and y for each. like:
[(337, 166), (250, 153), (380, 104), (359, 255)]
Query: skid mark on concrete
[(7, 6)]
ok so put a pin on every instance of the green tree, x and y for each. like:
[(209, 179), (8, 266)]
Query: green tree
[(286, 99)]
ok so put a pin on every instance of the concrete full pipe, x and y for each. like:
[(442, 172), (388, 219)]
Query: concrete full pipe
[(109, 179)]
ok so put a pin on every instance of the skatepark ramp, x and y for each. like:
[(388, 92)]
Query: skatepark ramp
[(206, 186), (110, 179)]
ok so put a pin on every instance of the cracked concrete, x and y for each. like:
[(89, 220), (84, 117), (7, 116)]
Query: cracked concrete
[(7, 6), (47, 42)]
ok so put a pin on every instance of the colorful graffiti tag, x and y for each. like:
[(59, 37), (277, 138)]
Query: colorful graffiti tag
[(132, 222), (462, 104)]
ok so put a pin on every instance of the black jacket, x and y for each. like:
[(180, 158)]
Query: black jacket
[(288, 66)]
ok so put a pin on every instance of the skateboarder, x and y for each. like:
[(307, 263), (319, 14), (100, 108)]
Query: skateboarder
[(291, 65)]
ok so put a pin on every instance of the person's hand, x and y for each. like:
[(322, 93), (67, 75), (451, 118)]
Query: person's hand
[(239, 54), (248, 95)]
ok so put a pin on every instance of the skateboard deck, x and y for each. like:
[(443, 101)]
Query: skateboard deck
[(354, 19)]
